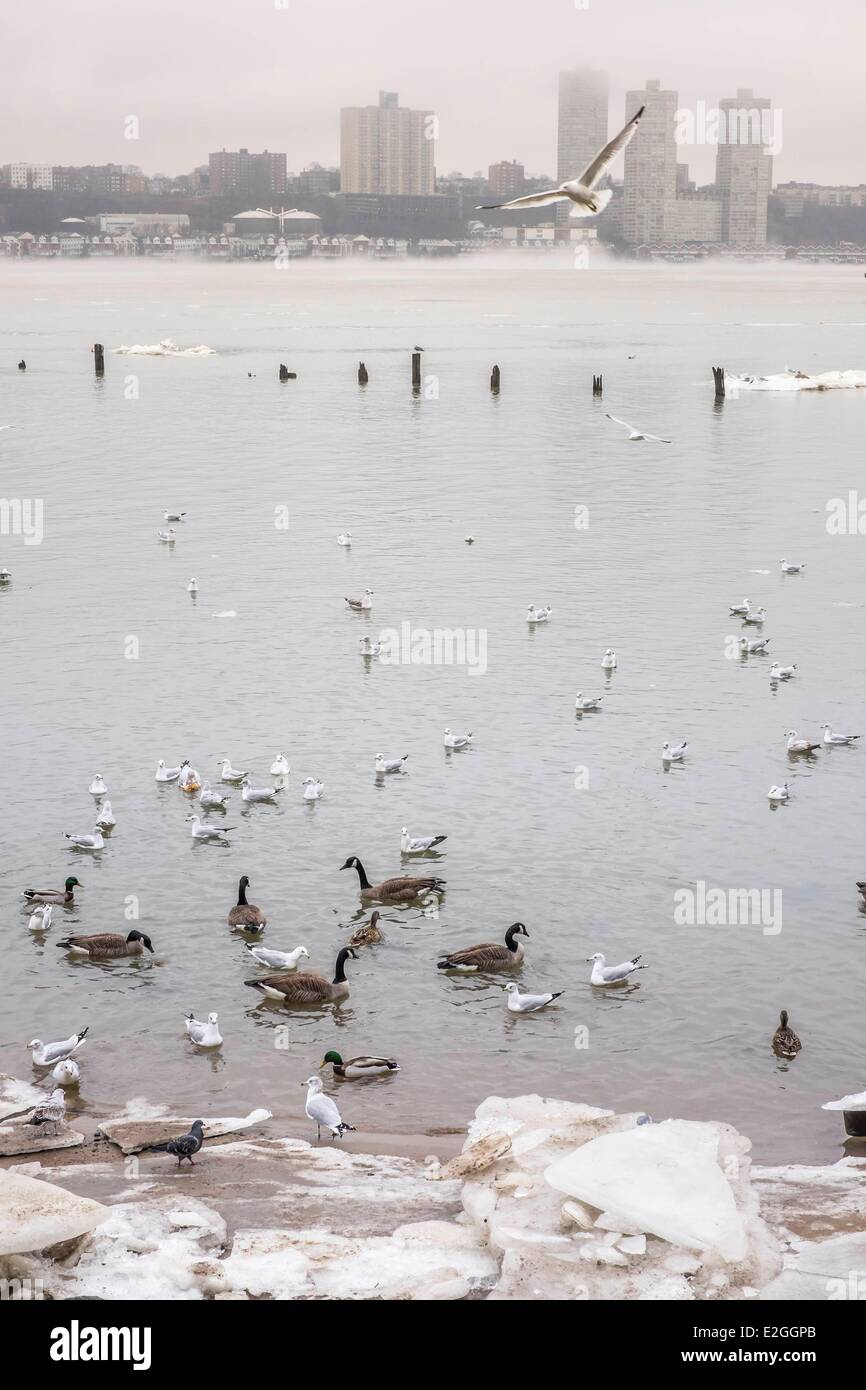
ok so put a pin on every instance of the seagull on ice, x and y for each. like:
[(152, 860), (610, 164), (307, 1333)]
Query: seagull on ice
[(46, 1054), (280, 766), (759, 644), (384, 764), (66, 1073), (418, 844), (313, 788), (740, 610), (611, 974), (167, 537), (206, 833), (634, 433), (278, 960), (167, 774), (210, 800), (323, 1109), (203, 1034), (538, 615), (256, 794), (756, 618), (345, 538), (97, 786), (837, 740), (369, 648), (229, 773), (782, 673), (457, 740), (527, 1003), (40, 920), (91, 842), (789, 568), (608, 661), (174, 516), (800, 745), (778, 793), (50, 1112), (362, 604), (582, 192), (192, 586), (105, 820), (675, 754), (585, 703)]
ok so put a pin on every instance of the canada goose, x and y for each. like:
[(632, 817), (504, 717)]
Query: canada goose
[(308, 987), (403, 889), (603, 974), (367, 935), (277, 960), (528, 1003), (489, 955), (785, 1040), (46, 1054), (358, 1066), (107, 945), (51, 895), (245, 914), (323, 1109), (800, 745)]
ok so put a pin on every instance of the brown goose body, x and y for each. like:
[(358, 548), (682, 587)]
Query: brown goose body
[(368, 934), (402, 889), (244, 914), (489, 955), (108, 945), (307, 986), (785, 1040)]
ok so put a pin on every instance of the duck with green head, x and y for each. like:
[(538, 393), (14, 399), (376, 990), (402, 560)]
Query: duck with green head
[(64, 897), (358, 1066)]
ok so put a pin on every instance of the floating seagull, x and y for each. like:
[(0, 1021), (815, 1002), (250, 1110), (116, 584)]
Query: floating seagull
[(384, 764), (788, 568), (280, 766), (800, 745), (46, 1054), (40, 920), (369, 648), (358, 1066), (759, 644), (538, 615), (174, 516), (90, 842), (278, 960), (185, 1146), (229, 773), (364, 603), (5, 576), (612, 974), (608, 661), (527, 1003), (167, 537), (740, 610), (782, 673), (779, 793), (837, 740), (469, 540), (313, 788), (584, 704), (189, 779), (50, 1112), (582, 191), (675, 754), (107, 945), (418, 844), (256, 794), (97, 786), (755, 618), (323, 1110), (210, 800), (105, 820), (168, 774), (207, 832), (203, 1034), (785, 1040), (344, 538), (635, 433), (192, 586), (66, 1073), (457, 740)]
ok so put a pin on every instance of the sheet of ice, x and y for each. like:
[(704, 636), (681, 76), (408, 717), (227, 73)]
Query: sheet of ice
[(164, 348), (132, 1135), (791, 380), (17, 1096), (36, 1214)]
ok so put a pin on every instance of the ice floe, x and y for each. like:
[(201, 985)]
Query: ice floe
[(164, 348)]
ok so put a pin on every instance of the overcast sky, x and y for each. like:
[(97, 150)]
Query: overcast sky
[(203, 74)]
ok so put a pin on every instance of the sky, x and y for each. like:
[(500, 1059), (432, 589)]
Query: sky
[(200, 75)]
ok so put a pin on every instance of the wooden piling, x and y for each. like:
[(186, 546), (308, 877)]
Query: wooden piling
[(719, 380), (286, 375), (495, 377), (416, 371), (99, 359), (22, 365), (363, 376), (597, 385)]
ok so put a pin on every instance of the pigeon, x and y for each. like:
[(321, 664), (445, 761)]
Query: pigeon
[(612, 974), (527, 1003), (185, 1146), (46, 1054), (323, 1110), (634, 433)]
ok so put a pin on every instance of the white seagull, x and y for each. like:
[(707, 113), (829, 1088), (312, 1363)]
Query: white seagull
[(634, 433), (782, 673), (837, 740), (5, 576), (203, 1034), (192, 586), (755, 618), (582, 192), (229, 773), (210, 800), (66, 1073), (91, 842), (608, 661), (50, 1112), (313, 788), (369, 648), (167, 537), (585, 703), (527, 1003), (739, 610), (174, 516), (189, 779), (207, 832), (384, 764), (457, 740), (418, 844), (779, 793), (280, 766), (759, 644), (362, 604), (323, 1110), (538, 615), (97, 786), (675, 754), (799, 745), (40, 920), (167, 774), (105, 820), (46, 1054), (256, 794), (788, 568), (612, 974), (278, 960), (345, 538)]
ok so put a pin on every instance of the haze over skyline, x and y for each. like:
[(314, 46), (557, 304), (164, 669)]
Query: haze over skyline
[(210, 75)]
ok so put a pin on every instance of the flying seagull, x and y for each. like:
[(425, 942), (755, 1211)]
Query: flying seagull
[(581, 191), (634, 433)]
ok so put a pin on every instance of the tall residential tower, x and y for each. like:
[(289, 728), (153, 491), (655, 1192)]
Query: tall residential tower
[(387, 149)]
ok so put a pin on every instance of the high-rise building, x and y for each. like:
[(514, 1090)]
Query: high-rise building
[(581, 126), (650, 175), (505, 179), (387, 149), (29, 176), (744, 168), (238, 173)]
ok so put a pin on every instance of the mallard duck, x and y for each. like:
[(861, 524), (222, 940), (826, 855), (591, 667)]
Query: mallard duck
[(245, 914), (489, 955), (403, 889), (107, 945), (307, 987), (64, 898), (367, 935), (785, 1040), (358, 1066)]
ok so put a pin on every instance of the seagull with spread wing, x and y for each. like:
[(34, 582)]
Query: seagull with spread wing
[(583, 192), (633, 432)]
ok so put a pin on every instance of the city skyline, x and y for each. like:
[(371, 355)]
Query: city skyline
[(277, 78)]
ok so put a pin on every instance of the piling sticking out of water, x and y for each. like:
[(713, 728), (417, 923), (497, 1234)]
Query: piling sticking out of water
[(363, 377), (597, 385), (285, 374), (416, 371), (719, 380), (495, 380), (99, 359)]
